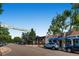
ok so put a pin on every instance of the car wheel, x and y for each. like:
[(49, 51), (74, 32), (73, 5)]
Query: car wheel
[(69, 50), (44, 46), (64, 50), (53, 48)]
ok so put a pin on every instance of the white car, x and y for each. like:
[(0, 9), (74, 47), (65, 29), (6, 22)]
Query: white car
[(51, 45)]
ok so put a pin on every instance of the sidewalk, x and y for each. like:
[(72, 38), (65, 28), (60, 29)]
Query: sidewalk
[(4, 50)]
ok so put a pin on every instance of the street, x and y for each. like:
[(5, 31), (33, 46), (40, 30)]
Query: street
[(25, 50)]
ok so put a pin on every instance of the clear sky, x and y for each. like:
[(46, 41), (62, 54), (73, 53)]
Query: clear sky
[(27, 16)]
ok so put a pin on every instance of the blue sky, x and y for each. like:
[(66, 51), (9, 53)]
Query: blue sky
[(30, 15)]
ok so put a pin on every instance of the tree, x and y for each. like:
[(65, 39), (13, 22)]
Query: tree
[(75, 5), (29, 37), (58, 24), (54, 27), (66, 14), (4, 31), (1, 10), (32, 35), (17, 39), (74, 16), (4, 34), (5, 38), (25, 37)]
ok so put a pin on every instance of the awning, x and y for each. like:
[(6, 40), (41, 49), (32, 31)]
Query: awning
[(71, 38), (56, 38), (62, 38)]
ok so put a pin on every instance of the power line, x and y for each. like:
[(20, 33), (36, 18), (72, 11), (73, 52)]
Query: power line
[(12, 27)]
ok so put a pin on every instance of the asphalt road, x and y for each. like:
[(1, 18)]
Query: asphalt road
[(23, 50)]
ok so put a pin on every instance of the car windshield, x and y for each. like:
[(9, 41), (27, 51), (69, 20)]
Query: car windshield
[(77, 36), (51, 43)]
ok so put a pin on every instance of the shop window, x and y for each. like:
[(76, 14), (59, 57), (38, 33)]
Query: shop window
[(76, 42), (68, 42)]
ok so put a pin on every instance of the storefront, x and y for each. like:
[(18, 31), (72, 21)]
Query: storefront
[(72, 40)]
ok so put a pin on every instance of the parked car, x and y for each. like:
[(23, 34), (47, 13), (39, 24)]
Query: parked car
[(51, 45)]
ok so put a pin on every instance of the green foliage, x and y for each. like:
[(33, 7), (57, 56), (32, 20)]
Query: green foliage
[(58, 24), (1, 10), (17, 39), (77, 18), (29, 37), (4, 35), (75, 5), (4, 31), (25, 35), (0, 5), (5, 38), (66, 13), (32, 34)]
